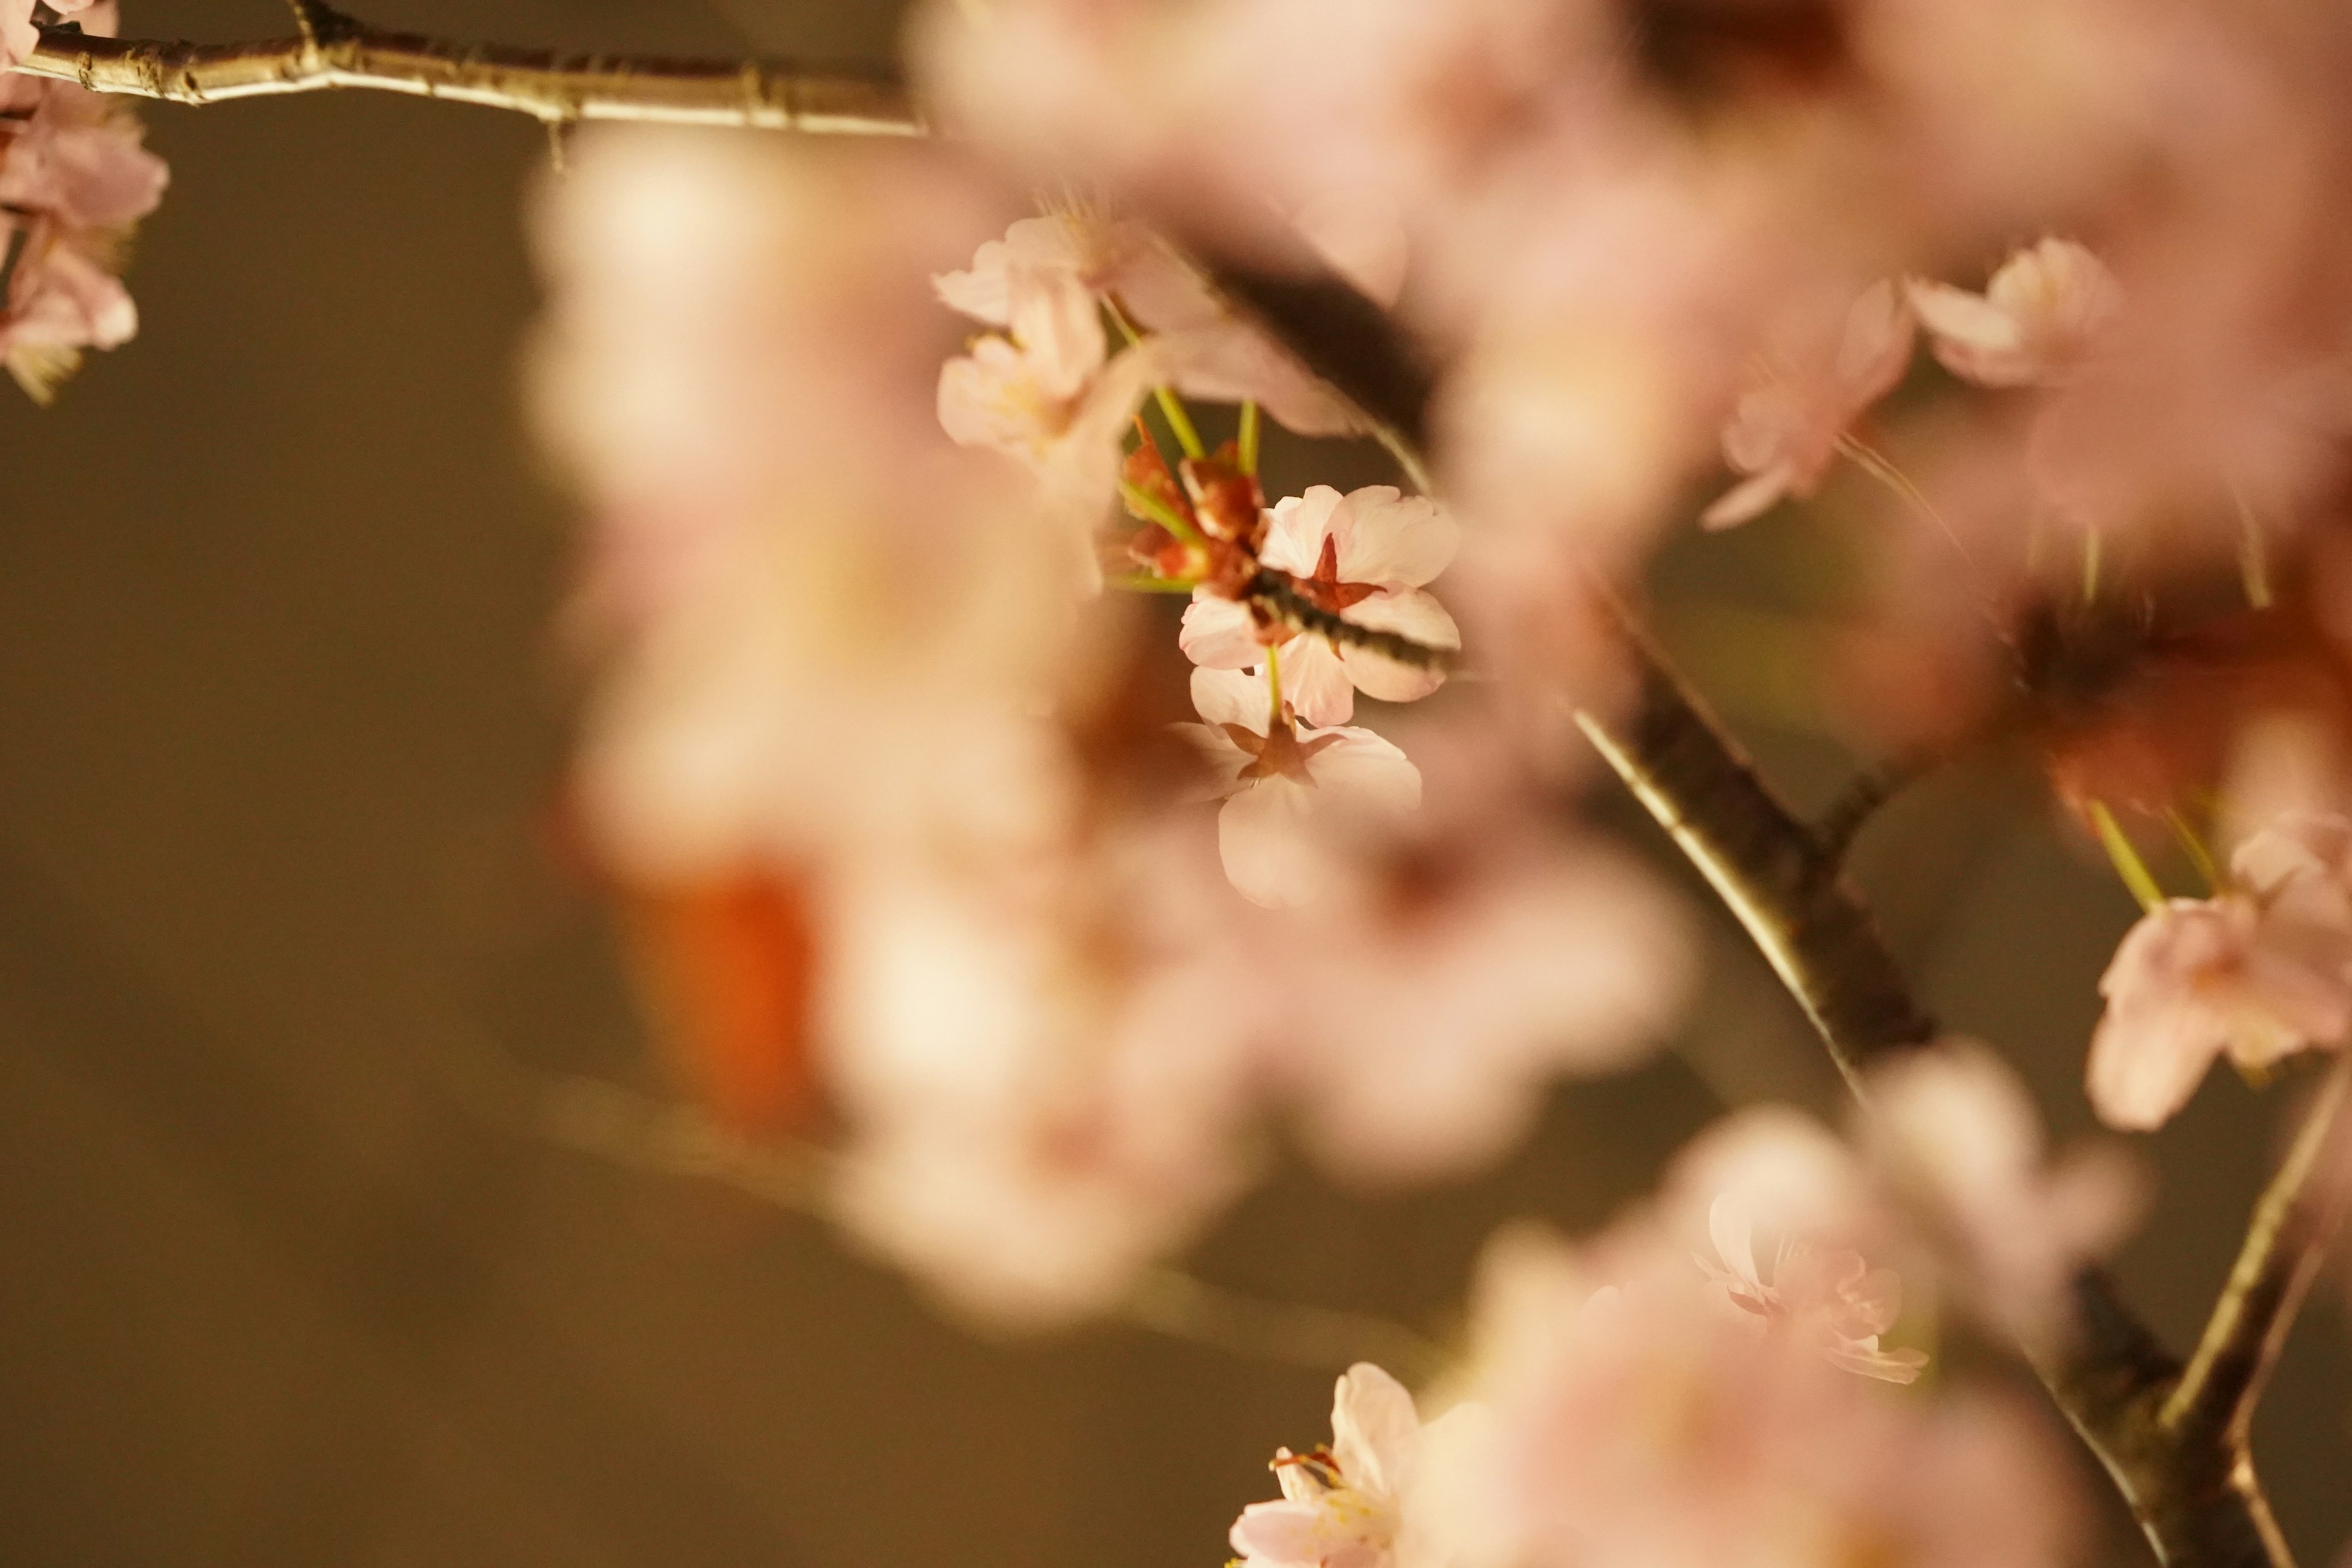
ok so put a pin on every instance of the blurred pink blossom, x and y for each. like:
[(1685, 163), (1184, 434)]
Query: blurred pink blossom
[(1635, 1421), (2259, 972), (2041, 315), (74, 180), (1467, 957), (1364, 556), (1788, 425), (1957, 1135), (1831, 1297)]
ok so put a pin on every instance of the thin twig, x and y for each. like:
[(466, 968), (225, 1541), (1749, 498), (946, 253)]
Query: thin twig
[(337, 51), (1275, 596), (1170, 1302), (614, 1124), (2199, 1501), (1835, 829), (2297, 1217)]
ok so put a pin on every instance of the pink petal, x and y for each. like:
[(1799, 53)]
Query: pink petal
[(1221, 633), (1364, 772), (1294, 541), (1316, 683), (1398, 542), (1877, 348), (1747, 501), (1232, 697), (1265, 838), (2146, 1061), (1374, 1430)]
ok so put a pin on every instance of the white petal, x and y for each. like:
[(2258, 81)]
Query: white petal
[(1233, 696), (1316, 684), (1364, 771), (1265, 837), (1294, 541), (1374, 1431), (1747, 501), (1877, 348), (1397, 541), (983, 293), (2145, 1064), (1219, 633)]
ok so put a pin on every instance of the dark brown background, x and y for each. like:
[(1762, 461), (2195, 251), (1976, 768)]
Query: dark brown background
[(278, 714)]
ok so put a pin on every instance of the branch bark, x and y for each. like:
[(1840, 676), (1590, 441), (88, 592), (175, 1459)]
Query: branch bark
[(2189, 1480), (556, 88), (2297, 1218)]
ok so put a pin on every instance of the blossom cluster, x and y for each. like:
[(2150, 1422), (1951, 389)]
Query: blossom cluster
[(74, 180), (914, 858), (1622, 1400)]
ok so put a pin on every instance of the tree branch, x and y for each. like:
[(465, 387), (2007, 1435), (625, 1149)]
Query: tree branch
[(2297, 1217), (337, 51), (1275, 596), (2191, 1487)]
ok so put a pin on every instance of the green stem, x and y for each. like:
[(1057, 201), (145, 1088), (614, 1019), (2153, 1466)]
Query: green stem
[(2127, 863), (1248, 439), (1158, 511)]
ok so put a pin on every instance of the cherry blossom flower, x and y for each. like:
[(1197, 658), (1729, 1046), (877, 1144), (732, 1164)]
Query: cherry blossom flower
[(1043, 1080), (1959, 1138), (1831, 1297), (73, 181), (1786, 429), (1285, 787), (1814, 1197), (1635, 1421), (2041, 315), (1365, 557), (2258, 972), (1357, 1504), (1047, 389), (1470, 954)]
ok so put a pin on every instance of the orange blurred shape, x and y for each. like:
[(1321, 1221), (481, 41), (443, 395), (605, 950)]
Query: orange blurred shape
[(728, 969)]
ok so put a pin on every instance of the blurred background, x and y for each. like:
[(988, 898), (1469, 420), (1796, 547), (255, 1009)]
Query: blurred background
[(281, 725)]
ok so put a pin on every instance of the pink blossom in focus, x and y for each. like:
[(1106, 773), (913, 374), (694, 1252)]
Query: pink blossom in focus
[(2258, 972), (2040, 316), (1364, 556), (1357, 1504), (1285, 787), (1960, 1140), (1786, 431)]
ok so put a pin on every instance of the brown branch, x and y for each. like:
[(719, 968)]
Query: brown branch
[(2297, 1217), (1275, 596), (2192, 1488), (2194, 1492), (336, 51)]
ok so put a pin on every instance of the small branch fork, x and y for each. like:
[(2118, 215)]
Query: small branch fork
[(334, 50), (2174, 1440)]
